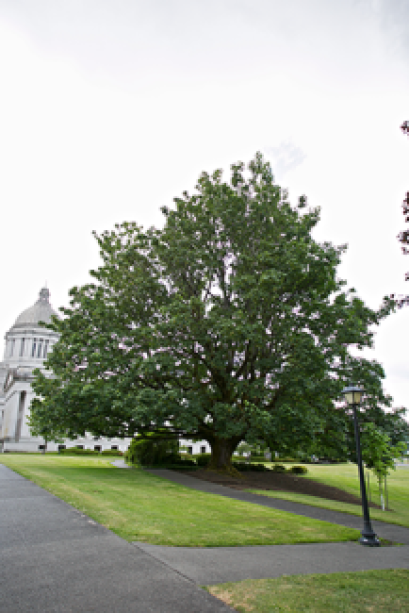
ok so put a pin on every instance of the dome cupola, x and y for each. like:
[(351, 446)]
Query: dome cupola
[(40, 311), (28, 341)]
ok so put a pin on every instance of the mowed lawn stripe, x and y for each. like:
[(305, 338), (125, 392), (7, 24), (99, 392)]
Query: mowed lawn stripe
[(345, 477), (139, 506), (382, 591), (332, 505)]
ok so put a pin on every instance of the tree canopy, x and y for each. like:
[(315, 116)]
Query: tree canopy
[(221, 326)]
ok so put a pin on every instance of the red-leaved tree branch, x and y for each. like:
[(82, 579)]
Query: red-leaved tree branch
[(403, 237)]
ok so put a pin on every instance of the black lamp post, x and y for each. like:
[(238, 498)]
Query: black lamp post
[(353, 397)]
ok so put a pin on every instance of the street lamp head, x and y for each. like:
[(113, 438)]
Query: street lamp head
[(353, 394)]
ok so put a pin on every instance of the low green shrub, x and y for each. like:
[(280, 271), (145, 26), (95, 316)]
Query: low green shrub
[(113, 452), (299, 470), (76, 451), (203, 459), (279, 468), (257, 458), (186, 456), (253, 458), (246, 467), (154, 449)]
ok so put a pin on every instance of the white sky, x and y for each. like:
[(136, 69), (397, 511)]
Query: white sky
[(111, 108)]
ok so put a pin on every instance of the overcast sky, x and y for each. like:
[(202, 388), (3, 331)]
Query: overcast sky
[(110, 109)]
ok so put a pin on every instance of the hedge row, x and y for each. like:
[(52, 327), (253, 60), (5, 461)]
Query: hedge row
[(295, 470), (151, 452), (262, 458), (76, 451), (253, 467)]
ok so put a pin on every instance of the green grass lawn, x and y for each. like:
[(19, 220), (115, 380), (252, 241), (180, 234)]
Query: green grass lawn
[(141, 507), (373, 590), (345, 477)]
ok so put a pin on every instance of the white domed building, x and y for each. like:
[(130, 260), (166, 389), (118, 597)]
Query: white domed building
[(26, 347), (27, 344)]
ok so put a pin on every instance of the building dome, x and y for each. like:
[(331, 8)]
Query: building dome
[(40, 311)]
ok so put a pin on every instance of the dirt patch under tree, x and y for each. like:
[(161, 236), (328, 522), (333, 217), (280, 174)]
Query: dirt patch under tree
[(283, 482)]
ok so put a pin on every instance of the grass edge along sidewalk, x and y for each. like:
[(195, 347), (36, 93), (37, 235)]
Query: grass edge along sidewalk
[(383, 591), (138, 506)]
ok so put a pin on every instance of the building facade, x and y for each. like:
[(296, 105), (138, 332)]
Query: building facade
[(27, 345)]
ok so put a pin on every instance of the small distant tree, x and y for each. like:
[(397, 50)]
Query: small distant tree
[(46, 427), (391, 422), (379, 456), (244, 448)]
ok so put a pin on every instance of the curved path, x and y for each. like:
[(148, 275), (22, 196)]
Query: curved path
[(218, 565)]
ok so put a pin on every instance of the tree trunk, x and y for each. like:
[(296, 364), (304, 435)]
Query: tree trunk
[(381, 492), (368, 488), (386, 494), (222, 451)]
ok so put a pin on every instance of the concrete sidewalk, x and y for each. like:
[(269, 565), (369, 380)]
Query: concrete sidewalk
[(55, 559), (206, 566)]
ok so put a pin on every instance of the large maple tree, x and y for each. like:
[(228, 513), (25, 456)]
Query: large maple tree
[(213, 327)]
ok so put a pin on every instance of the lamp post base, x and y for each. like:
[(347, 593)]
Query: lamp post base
[(370, 540)]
